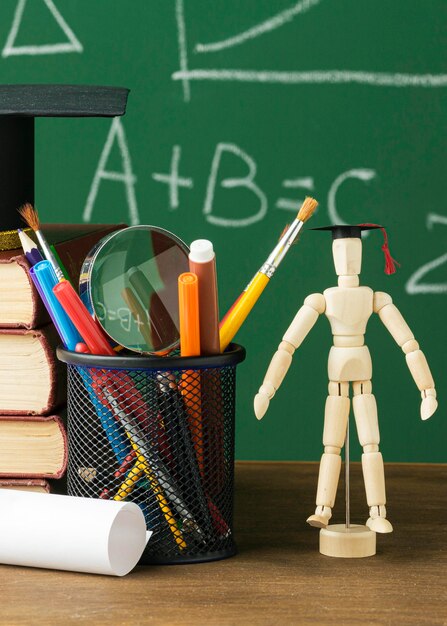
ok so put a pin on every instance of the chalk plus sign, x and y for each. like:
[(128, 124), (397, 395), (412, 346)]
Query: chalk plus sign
[(173, 180)]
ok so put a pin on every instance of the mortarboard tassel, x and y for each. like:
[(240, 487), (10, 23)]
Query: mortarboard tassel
[(390, 263)]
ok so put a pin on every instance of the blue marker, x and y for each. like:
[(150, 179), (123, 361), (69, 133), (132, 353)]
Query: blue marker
[(44, 279)]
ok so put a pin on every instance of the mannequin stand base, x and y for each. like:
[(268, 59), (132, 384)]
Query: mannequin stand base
[(349, 543)]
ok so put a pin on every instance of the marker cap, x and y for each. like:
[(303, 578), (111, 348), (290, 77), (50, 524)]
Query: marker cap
[(201, 251)]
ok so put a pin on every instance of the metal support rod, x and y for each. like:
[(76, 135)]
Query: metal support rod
[(347, 492)]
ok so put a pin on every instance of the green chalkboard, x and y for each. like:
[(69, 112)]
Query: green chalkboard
[(237, 110)]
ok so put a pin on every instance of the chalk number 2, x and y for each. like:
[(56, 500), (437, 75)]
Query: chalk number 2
[(415, 284)]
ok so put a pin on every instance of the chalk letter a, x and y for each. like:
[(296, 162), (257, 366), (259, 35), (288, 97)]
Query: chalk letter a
[(126, 176)]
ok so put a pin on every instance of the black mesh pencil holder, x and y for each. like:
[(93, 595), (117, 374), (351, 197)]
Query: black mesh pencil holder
[(158, 432)]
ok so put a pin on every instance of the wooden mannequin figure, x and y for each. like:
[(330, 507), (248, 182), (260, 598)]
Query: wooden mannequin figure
[(348, 308)]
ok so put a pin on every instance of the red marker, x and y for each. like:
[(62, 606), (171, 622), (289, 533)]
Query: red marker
[(86, 326)]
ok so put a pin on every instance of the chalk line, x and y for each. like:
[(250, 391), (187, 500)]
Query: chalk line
[(182, 47), (334, 77), (293, 183), (173, 180), (260, 29)]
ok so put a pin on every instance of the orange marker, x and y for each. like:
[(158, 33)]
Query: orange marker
[(188, 295)]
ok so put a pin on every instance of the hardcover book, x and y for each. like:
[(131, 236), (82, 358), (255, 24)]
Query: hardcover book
[(35, 447), (25, 484), (32, 380), (20, 304)]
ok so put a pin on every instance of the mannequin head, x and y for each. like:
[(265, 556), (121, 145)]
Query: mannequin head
[(347, 249), (347, 253)]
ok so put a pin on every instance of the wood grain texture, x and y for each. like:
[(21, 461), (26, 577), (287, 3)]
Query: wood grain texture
[(278, 576)]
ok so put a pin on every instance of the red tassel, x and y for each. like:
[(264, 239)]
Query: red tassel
[(390, 263)]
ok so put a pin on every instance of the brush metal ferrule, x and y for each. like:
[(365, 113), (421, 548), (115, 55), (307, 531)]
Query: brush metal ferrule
[(268, 269), (48, 254), (281, 248)]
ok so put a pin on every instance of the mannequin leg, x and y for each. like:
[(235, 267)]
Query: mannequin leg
[(335, 423), (365, 412)]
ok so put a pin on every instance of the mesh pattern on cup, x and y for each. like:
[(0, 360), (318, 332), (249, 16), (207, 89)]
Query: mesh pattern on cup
[(161, 439)]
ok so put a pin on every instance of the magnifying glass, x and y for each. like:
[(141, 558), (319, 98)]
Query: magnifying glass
[(129, 283)]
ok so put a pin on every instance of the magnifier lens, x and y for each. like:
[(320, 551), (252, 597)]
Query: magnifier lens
[(129, 281)]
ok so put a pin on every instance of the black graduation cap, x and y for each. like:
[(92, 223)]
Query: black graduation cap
[(342, 231), (19, 105)]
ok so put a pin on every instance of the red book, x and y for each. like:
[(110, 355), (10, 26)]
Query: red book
[(32, 447), (32, 380), (20, 304)]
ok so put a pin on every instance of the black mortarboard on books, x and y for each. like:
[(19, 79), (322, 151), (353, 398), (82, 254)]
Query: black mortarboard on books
[(343, 231), (19, 105)]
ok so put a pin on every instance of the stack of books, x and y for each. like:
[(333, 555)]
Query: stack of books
[(33, 441)]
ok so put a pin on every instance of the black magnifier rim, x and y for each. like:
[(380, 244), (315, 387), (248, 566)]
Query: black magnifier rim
[(233, 354), (88, 288)]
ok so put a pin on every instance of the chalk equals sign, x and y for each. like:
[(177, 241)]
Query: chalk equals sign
[(295, 183)]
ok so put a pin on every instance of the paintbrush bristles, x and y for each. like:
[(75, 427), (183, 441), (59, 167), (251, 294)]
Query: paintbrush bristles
[(307, 208), (30, 216)]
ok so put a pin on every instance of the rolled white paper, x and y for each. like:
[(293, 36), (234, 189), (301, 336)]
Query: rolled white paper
[(69, 533)]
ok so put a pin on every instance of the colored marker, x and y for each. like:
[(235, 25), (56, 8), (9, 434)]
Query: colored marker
[(44, 278), (188, 292), (89, 330), (202, 262)]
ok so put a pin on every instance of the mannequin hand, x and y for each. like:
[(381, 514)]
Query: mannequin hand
[(262, 400), (429, 403)]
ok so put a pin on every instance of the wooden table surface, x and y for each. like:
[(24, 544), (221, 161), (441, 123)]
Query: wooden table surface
[(278, 577)]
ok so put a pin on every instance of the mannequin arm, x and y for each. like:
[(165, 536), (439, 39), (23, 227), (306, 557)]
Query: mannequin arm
[(416, 361), (302, 323)]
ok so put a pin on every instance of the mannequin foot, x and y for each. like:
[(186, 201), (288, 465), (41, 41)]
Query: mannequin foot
[(377, 520), (321, 517)]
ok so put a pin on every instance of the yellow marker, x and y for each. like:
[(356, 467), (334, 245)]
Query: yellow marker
[(236, 316), (162, 502), (138, 444), (133, 476)]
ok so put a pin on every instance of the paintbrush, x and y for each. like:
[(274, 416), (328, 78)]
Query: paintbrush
[(31, 217), (235, 317)]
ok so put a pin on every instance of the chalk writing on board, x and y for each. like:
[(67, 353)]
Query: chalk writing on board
[(362, 174), (71, 45), (126, 176), (414, 284), (329, 77), (258, 202), (182, 47), (259, 29), (296, 183), (173, 180), (246, 182), (218, 205)]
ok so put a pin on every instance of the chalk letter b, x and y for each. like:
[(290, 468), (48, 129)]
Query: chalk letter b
[(246, 182)]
